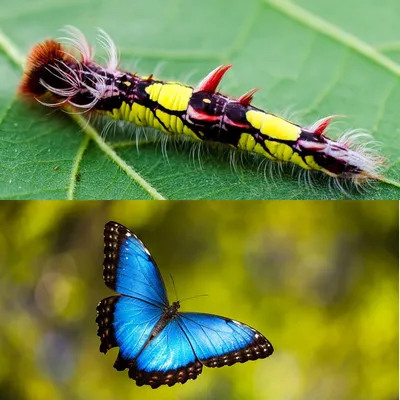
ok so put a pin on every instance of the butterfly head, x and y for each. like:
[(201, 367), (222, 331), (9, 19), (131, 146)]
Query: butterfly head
[(172, 310)]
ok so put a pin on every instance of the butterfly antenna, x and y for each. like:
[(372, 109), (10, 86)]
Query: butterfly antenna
[(193, 297), (173, 283)]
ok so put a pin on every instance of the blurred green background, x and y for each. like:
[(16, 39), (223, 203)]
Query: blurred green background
[(318, 279)]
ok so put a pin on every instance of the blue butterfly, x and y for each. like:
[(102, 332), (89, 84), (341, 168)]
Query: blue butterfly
[(158, 344)]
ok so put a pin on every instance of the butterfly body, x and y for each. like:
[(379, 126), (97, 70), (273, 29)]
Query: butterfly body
[(157, 343), (169, 313)]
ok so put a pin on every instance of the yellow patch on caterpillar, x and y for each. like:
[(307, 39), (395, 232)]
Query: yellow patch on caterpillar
[(173, 123), (138, 115), (172, 96), (246, 142), (115, 113), (296, 159), (187, 131), (273, 126), (280, 151), (185, 95), (161, 116), (311, 162), (260, 150), (120, 113), (125, 110), (154, 91)]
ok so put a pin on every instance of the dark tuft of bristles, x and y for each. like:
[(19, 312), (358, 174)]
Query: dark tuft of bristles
[(41, 55)]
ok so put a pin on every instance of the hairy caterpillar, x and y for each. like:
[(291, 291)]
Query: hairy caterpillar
[(61, 77)]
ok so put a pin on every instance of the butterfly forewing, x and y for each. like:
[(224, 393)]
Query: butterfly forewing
[(129, 268)]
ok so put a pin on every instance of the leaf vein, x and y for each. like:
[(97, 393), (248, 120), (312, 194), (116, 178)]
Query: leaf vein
[(336, 33), (75, 167)]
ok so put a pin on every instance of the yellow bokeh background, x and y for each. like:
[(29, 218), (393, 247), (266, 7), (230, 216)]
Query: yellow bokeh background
[(318, 279)]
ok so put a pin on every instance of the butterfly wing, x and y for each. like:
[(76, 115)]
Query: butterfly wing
[(129, 268), (167, 359), (191, 340), (219, 341), (127, 323)]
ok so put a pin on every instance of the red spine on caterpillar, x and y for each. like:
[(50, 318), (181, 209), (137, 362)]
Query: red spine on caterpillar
[(212, 80), (320, 126), (246, 98)]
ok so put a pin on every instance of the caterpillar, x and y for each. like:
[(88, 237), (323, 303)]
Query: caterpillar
[(64, 74)]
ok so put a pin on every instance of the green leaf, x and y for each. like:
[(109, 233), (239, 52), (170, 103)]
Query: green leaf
[(311, 57)]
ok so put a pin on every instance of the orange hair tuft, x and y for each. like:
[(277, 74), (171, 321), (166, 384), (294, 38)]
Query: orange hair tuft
[(39, 57)]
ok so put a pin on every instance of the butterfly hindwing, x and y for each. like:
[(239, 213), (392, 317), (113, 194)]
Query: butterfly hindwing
[(129, 268), (219, 341), (127, 323), (167, 359), (191, 340)]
